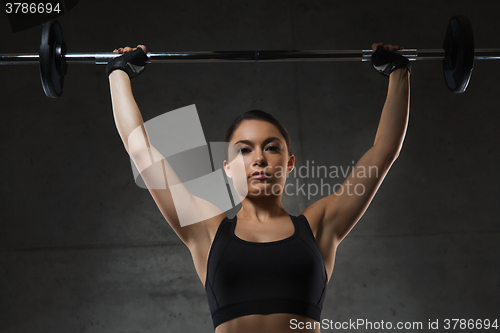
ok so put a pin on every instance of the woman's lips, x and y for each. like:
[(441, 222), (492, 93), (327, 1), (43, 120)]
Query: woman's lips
[(260, 176)]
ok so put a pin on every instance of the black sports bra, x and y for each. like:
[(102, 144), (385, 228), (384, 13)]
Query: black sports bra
[(284, 276)]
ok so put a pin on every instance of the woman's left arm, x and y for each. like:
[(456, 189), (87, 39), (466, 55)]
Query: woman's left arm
[(343, 209)]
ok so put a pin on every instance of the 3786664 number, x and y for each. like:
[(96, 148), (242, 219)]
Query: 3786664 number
[(31, 8)]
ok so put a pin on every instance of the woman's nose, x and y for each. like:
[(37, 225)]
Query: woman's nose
[(259, 157)]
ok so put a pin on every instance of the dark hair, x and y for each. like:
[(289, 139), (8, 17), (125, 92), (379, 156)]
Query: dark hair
[(259, 115)]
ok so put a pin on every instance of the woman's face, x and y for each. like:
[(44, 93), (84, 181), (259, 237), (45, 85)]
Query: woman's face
[(263, 150)]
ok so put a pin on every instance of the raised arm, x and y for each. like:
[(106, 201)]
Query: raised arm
[(127, 115), (154, 168), (125, 110), (339, 212)]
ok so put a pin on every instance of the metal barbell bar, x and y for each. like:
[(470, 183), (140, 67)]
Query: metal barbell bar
[(458, 56), (102, 58)]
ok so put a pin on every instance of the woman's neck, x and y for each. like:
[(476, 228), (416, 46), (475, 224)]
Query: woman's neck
[(261, 209)]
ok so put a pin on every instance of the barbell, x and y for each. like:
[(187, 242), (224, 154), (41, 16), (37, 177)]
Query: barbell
[(458, 56)]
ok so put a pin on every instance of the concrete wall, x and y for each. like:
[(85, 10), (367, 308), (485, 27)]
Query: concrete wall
[(83, 249)]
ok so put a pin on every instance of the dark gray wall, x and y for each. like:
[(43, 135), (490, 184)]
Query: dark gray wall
[(83, 249)]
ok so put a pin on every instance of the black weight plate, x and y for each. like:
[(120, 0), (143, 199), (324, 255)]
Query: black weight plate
[(52, 67), (459, 54)]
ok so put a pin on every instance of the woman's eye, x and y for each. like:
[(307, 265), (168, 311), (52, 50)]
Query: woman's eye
[(243, 150), (246, 150)]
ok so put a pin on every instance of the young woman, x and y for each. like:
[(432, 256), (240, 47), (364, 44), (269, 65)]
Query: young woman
[(266, 270)]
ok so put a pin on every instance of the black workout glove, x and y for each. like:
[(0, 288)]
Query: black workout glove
[(385, 62), (133, 63)]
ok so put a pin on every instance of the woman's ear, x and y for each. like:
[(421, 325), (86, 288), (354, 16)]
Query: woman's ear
[(290, 163), (227, 169)]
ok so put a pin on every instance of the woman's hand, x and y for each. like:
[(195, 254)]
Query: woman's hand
[(386, 60), (126, 49), (132, 61), (387, 47)]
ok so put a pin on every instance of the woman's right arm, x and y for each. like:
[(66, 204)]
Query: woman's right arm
[(155, 170)]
